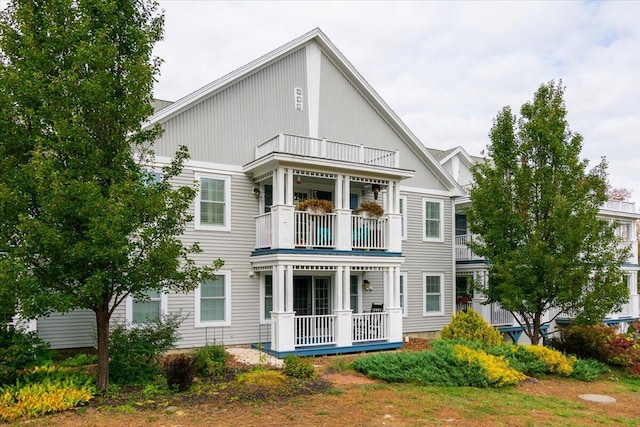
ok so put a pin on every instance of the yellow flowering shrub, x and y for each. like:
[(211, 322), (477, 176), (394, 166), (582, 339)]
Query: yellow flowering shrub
[(556, 362), (496, 367), (469, 325)]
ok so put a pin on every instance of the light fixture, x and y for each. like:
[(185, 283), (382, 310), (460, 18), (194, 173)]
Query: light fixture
[(376, 189), (299, 180), (366, 285), (256, 192)]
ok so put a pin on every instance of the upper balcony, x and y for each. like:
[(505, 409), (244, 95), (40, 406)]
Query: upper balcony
[(331, 150), (619, 206)]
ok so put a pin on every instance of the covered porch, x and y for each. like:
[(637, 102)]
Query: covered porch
[(327, 307)]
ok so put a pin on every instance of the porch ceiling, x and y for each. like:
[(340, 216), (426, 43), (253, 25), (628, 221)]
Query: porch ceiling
[(315, 261)]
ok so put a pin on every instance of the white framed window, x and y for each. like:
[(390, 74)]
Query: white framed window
[(432, 220), (403, 215), (354, 293), (266, 296), (141, 312), (213, 203), (432, 294), (213, 301), (403, 294)]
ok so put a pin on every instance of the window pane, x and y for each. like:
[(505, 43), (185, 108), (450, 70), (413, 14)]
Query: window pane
[(212, 309), (268, 296), (213, 288), (402, 293), (145, 311), (432, 302), (433, 210), (212, 189), (211, 213)]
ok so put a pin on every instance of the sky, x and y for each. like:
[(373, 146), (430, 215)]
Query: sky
[(445, 67)]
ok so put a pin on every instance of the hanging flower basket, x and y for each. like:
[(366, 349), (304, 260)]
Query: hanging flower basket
[(316, 205), (370, 208)]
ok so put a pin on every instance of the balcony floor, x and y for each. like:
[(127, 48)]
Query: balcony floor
[(330, 350)]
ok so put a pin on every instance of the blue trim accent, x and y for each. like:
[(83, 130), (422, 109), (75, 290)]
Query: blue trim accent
[(515, 332), (305, 251), (609, 322), (325, 350)]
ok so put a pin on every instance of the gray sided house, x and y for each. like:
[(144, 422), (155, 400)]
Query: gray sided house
[(301, 123)]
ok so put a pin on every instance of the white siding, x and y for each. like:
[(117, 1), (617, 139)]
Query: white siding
[(226, 127), (71, 330)]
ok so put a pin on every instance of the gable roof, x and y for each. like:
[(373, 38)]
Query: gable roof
[(340, 61)]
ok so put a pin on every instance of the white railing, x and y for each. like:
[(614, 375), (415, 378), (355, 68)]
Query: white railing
[(462, 250), (263, 231), (315, 330), (369, 327), (463, 304), (369, 233), (315, 230), (499, 316), (619, 206), (315, 147)]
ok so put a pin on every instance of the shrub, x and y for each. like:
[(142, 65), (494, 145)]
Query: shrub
[(297, 367), (179, 371), (338, 364), (556, 362), (263, 378), (43, 390), (438, 366), (78, 360), (586, 342), (319, 205), (520, 359), (135, 352), (589, 370), (210, 360), (497, 368), (19, 350), (469, 325)]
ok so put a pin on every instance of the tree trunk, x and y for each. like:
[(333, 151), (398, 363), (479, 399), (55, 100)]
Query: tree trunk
[(102, 326), (535, 334)]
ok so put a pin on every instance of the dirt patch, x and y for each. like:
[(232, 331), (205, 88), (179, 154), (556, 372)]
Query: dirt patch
[(348, 379)]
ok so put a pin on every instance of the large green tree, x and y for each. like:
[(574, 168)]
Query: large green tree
[(83, 223), (535, 208)]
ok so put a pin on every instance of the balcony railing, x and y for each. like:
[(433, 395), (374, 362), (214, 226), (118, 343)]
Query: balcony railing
[(615, 205), (319, 231), (369, 327), (463, 253), (315, 147), (315, 230), (368, 233), (315, 330)]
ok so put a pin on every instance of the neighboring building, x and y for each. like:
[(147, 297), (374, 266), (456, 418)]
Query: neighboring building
[(471, 268), (301, 123)]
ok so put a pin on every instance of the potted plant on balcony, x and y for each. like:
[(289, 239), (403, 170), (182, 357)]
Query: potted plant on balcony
[(318, 206), (370, 209)]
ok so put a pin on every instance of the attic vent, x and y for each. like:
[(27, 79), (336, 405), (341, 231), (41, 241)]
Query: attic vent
[(297, 97)]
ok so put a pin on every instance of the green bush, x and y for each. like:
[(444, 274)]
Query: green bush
[(135, 352), (179, 371), (586, 342), (469, 325), (18, 351), (438, 366), (589, 370), (210, 360), (78, 360), (520, 359), (297, 367)]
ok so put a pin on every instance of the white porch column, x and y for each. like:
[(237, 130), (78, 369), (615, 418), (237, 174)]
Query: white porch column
[(394, 232), (395, 312), (282, 322), (338, 186), (343, 316), (282, 226), (391, 198), (346, 289), (346, 194), (289, 289), (288, 196), (632, 283)]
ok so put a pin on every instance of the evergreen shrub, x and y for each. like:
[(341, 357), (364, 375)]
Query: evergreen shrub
[(469, 325), (297, 367), (210, 360)]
